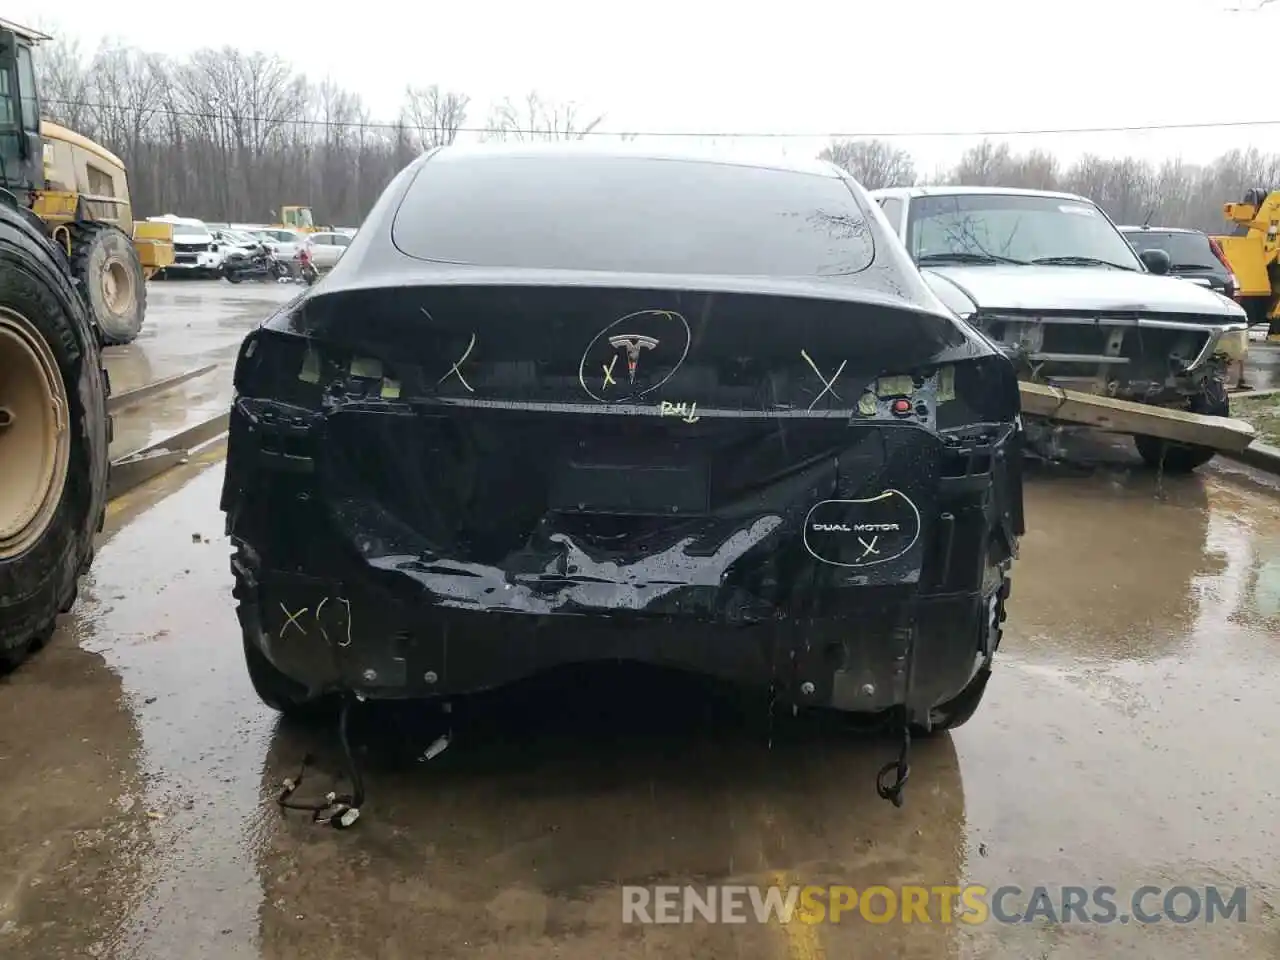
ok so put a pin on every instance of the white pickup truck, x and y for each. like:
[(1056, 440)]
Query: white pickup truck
[(1050, 276), (195, 250)]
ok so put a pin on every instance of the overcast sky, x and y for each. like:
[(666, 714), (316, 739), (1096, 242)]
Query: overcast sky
[(873, 68)]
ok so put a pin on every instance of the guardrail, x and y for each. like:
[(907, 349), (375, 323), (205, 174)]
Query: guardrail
[(138, 466), (122, 401)]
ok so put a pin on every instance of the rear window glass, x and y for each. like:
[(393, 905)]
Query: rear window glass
[(632, 214), (1185, 249)]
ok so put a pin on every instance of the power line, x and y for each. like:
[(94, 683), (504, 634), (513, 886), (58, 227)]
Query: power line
[(701, 134)]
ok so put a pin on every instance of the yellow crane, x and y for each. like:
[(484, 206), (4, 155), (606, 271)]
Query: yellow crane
[(1253, 251)]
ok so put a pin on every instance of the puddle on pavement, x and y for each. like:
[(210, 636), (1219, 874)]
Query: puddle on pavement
[(1120, 745), (184, 330), (164, 416), (554, 793), (162, 617)]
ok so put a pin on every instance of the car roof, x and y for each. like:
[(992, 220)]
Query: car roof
[(568, 149), (945, 190), (179, 221), (1129, 228)]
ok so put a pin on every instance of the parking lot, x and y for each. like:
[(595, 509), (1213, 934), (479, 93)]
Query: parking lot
[(1122, 742)]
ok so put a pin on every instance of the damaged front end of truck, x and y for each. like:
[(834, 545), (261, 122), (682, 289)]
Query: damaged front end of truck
[(435, 489)]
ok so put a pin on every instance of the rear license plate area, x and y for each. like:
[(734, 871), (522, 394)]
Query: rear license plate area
[(630, 489)]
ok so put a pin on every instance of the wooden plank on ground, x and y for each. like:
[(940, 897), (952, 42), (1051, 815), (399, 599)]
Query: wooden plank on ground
[(1125, 416)]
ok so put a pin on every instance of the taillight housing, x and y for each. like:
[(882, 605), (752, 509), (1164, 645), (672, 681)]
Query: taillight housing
[(1233, 285)]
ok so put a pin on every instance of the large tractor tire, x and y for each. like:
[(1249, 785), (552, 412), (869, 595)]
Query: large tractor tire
[(54, 433), (105, 262)]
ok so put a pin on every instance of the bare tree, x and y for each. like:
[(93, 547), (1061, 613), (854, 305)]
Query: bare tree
[(536, 119), (230, 134), (873, 163), (64, 82), (125, 87), (985, 165), (1036, 170), (436, 114)]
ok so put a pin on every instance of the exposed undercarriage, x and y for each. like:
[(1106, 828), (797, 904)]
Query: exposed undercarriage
[(1179, 364)]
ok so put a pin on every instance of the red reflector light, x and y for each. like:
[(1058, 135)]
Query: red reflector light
[(901, 407)]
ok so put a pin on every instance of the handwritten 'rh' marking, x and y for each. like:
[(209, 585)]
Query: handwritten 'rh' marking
[(687, 412)]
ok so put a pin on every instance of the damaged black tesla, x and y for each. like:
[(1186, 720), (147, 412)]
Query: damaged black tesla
[(561, 404)]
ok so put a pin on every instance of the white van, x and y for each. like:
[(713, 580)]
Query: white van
[(194, 248)]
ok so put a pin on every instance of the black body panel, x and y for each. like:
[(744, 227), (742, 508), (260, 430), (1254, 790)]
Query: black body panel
[(442, 477)]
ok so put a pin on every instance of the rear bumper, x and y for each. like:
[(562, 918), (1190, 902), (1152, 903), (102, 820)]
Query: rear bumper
[(399, 536), (340, 594), (383, 642)]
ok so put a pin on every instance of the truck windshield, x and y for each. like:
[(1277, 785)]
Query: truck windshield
[(1003, 227)]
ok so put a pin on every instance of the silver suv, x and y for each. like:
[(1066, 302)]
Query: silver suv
[(1050, 276)]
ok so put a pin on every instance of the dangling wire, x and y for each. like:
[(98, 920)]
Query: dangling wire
[(338, 810), (901, 768)]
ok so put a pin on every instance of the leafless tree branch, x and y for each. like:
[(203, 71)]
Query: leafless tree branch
[(233, 135), (538, 119), (873, 163)]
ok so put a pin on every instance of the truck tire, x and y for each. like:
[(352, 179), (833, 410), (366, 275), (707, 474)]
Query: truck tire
[(54, 433), (105, 262), (1185, 457)]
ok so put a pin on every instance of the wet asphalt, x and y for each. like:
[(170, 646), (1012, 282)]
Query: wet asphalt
[(1128, 739), (190, 324)]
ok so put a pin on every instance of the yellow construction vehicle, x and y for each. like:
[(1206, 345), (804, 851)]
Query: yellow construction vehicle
[(80, 192), (72, 278), (298, 219), (1253, 250)]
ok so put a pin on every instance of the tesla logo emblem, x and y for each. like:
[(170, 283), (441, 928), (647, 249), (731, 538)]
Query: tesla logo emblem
[(662, 335), (632, 345)]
